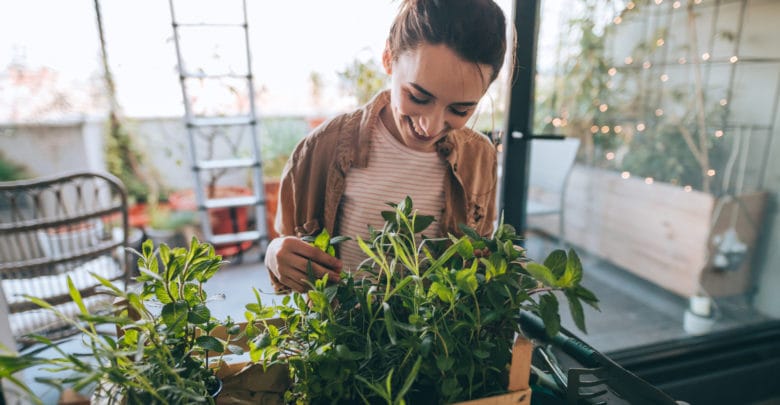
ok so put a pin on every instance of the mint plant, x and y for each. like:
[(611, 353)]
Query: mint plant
[(422, 321), (162, 355)]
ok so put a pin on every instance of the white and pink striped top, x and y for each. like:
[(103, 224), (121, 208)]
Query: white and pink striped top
[(394, 171)]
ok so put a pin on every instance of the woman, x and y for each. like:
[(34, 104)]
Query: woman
[(409, 140)]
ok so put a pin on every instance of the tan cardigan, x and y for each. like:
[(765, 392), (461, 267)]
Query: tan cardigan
[(314, 178)]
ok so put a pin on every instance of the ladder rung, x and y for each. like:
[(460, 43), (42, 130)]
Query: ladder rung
[(235, 237), (187, 75), (226, 164), (221, 121), (231, 202), (201, 24)]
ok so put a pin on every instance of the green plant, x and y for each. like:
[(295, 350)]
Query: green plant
[(162, 355), (164, 218), (433, 321), (363, 79), (10, 171)]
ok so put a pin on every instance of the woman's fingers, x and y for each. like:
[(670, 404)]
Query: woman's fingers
[(294, 258)]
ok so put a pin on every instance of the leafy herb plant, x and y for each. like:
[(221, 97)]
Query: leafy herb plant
[(423, 321), (162, 353)]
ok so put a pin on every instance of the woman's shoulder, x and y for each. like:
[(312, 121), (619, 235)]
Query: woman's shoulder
[(473, 140)]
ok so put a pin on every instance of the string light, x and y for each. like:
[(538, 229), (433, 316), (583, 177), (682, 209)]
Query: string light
[(659, 112), (723, 102), (733, 59), (605, 129), (682, 61), (664, 77), (718, 133), (676, 4), (630, 5), (687, 189), (648, 180), (612, 71), (647, 65), (659, 2), (618, 129), (640, 127), (556, 122), (628, 60), (697, 1), (711, 172), (594, 129), (617, 20), (705, 56), (610, 155), (603, 108), (660, 42), (625, 175)]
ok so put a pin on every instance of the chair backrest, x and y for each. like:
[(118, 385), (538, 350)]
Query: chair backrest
[(54, 228), (551, 161)]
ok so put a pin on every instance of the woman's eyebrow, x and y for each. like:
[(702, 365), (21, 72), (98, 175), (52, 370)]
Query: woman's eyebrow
[(429, 94)]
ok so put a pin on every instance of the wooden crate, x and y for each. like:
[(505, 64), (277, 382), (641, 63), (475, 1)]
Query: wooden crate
[(658, 231), (247, 383)]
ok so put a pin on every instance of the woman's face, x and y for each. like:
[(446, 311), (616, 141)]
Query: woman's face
[(432, 90)]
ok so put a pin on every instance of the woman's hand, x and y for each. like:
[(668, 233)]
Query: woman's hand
[(288, 257)]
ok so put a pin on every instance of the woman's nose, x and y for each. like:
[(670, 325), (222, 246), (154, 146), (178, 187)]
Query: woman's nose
[(433, 123)]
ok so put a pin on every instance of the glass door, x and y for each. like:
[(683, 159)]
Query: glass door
[(651, 151)]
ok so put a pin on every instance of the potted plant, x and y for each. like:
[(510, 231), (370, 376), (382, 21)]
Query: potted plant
[(164, 350), (433, 321), (167, 226)]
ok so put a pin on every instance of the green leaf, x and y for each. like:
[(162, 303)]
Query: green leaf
[(466, 249), (575, 307), (466, 279), (174, 312), (210, 343), (338, 239), (444, 293), (574, 266), (587, 296), (470, 232), (409, 380), (422, 222), (548, 310), (199, 313), (541, 273), (322, 240), (389, 322), (147, 248), (75, 295), (556, 262), (444, 363)]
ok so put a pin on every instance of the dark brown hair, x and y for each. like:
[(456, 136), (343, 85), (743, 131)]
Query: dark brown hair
[(474, 29)]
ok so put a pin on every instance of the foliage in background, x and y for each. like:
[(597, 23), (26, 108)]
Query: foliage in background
[(363, 79), (10, 171), (651, 128), (433, 321), (279, 136)]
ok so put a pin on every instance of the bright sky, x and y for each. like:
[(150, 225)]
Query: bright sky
[(289, 39)]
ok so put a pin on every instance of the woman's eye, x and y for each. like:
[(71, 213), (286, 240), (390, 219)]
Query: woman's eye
[(461, 113), (418, 100)]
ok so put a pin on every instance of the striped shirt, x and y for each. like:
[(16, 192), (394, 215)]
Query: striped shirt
[(394, 171)]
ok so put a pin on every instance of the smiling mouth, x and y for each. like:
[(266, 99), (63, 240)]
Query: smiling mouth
[(417, 134)]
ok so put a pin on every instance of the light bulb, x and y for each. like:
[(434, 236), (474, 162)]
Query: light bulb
[(664, 77), (705, 56), (640, 127), (625, 175), (733, 59)]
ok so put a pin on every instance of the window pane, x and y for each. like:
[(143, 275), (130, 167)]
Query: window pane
[(675, 107)]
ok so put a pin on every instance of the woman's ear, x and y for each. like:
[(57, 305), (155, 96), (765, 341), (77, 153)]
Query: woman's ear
[(387, 60)]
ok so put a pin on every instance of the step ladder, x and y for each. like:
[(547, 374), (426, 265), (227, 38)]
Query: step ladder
[(231, 125)]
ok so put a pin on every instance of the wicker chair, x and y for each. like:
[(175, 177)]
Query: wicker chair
[(54, 228)]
